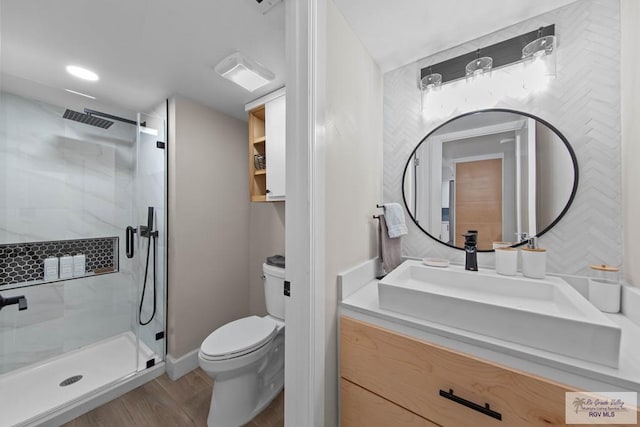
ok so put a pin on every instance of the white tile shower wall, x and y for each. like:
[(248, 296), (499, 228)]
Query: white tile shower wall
[(63, 316), (63, 180), (583, 102)]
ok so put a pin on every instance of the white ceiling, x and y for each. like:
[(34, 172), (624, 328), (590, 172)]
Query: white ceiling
[(148, 50), (143, 50), (402, 31)]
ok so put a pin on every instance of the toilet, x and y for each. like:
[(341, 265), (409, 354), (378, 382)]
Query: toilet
[(245, 358)]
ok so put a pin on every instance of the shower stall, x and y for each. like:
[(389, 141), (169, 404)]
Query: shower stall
[(86, 192)]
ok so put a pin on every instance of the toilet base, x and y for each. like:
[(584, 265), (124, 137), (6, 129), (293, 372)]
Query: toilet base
[(234, 415), (239, 396)]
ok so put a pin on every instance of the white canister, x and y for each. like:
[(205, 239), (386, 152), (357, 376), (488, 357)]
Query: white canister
[(604, 287), (79, 265), (506, 261), (497, 245), (66, 267), (605, 295), (534, 263), (51, 268)]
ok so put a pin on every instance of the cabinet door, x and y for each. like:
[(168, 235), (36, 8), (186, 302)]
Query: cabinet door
[(275, 130), (360, 407)]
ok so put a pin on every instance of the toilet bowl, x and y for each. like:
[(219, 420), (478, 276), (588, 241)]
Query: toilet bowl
[(245, 358)]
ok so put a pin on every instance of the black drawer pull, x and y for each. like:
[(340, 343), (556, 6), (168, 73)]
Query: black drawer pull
[(484, 409)]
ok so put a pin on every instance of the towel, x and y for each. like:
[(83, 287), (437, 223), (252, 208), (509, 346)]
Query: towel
[(394, 217), (390, 249), (276, 261)]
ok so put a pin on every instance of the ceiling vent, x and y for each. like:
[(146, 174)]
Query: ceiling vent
[(266, 5)]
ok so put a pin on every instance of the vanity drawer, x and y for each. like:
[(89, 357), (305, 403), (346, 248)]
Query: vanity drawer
[(415, 374), (360, 407)]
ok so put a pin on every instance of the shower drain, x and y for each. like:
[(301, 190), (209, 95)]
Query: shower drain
[(71, 380)]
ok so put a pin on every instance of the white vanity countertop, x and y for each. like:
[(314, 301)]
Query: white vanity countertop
[(362, 303)]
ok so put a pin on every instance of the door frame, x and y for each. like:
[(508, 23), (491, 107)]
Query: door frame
[(304, 210)]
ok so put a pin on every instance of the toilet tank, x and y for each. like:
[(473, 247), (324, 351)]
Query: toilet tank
[(274, 290)]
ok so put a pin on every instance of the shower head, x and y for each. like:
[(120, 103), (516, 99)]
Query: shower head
[(87, 119)]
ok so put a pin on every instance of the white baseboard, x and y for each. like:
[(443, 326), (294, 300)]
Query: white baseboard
[(177, 367)]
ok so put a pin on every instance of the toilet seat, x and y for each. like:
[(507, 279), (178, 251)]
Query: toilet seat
[(238, 338)]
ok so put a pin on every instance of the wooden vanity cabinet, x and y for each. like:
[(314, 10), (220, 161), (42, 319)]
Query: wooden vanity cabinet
[(437, 384)]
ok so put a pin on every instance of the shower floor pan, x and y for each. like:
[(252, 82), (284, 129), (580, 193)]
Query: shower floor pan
[(29, 394)]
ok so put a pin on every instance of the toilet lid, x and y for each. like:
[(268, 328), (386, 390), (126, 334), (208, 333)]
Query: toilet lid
[(239, 337)]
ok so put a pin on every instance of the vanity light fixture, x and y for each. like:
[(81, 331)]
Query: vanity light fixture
[(479, 79), (245, 73), (82, 73), (534, 44), (479, 66), (431, 81), (428, 84), (542, 49)]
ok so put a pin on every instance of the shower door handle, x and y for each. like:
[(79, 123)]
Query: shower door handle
[(129, 241), (20, 300)]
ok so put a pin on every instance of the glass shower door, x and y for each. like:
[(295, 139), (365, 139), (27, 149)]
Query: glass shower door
[(149, 264)]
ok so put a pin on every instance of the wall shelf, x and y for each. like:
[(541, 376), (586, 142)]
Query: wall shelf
[(267, 133)]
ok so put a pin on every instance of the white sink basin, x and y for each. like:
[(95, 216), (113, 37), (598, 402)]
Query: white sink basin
[(545, 314)]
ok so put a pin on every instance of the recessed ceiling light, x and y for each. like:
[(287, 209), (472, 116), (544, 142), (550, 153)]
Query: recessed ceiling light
[(244, 72), (80, 93), (82, 73)]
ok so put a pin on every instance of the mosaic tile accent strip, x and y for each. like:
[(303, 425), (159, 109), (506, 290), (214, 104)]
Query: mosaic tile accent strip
[(24, 262)]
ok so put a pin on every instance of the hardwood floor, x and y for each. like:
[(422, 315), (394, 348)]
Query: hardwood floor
[(163, 402)]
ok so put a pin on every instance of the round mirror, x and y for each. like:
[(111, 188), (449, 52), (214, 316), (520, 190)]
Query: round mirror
[(507, 174)]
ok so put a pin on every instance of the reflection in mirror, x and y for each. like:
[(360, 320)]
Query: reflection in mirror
[(507, 174)]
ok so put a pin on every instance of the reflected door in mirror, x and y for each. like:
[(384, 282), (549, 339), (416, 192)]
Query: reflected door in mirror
[(478, 196)]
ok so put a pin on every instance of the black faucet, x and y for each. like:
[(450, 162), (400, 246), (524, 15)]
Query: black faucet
[(20, 300), (471, 250)]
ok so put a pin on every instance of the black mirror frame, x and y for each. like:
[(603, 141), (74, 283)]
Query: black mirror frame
[(499, 110)]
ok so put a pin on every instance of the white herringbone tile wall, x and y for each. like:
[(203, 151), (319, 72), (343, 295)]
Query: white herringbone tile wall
[(583, 102)]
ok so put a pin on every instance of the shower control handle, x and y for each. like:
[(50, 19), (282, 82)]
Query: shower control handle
[(129, 241), (147, 230)]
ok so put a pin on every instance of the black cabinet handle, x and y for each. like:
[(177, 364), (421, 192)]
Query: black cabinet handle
[(483, 409), (129, 241)]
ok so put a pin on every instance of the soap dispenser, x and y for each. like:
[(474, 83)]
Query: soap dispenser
[(471, 250), (534, 260)]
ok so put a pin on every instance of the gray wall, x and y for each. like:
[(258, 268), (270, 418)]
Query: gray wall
[(583, 102), (218, 240), (266, 238), (208, 223)]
